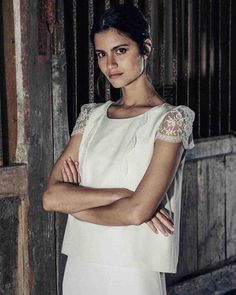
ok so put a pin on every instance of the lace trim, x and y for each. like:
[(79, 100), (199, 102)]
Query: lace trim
[(83, 117), (177, 126)]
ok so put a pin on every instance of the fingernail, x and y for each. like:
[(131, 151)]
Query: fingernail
[(65, 162), (69, 158), (77, 163)]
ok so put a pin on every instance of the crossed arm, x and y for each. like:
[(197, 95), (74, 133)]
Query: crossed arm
[(111, 206), (142, 204)]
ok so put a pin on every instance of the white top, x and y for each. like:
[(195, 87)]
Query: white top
[(116, 153)]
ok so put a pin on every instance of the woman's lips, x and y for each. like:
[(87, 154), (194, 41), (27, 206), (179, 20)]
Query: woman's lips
[(115, 76)]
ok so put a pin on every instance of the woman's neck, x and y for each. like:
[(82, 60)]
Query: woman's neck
[(139, 93)]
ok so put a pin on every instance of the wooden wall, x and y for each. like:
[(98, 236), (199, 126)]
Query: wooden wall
[(31, 237), (208, 224)]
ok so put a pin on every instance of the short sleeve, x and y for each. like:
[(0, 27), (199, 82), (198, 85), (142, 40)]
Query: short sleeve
[(177, 126), (83, 117)]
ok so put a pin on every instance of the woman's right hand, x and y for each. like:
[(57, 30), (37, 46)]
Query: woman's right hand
[(161, 222)]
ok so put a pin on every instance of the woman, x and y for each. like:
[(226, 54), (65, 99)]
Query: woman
[(120, 176)]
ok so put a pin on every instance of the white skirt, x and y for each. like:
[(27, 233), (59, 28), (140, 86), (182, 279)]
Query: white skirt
[(95, 279)]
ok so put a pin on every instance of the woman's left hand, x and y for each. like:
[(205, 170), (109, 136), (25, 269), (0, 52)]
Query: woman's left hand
[(161, 222), (70, 171)]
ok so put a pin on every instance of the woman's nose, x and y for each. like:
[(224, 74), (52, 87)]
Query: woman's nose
[(111, 61)]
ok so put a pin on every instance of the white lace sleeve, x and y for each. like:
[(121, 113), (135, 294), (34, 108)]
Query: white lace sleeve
[(177, 126), (82, 119)]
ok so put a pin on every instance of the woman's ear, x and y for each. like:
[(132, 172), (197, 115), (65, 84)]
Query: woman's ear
[(148, 47)]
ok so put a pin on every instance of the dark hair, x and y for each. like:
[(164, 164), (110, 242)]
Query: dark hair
[(127, 19)]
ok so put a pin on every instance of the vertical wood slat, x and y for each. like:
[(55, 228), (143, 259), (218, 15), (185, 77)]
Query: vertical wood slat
[(1, 149), (193, 59), (175, 56), (215, 67), (211, 213), (188, 251), (230, 205), (91, 52), (75, 55), (107, 84), (8, 84), (38, 122), (189, 220), (160, 46), (204, 67), (8, 245), (60, 125), (232, 62), (23, 271), (225, 65)]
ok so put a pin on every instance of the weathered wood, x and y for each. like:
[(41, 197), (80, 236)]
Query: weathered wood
[(60, 122), (221, 281), (188, 226), (1, 149), (230, 162), (9, 97), (9, 223), (37, 129), (13, 181), (211, 212), (23, 270), (212, 146)]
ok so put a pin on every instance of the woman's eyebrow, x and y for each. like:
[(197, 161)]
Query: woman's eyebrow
[(114, 48)]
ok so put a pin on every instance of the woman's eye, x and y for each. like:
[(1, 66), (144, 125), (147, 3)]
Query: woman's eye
[(100, 54), (121, 50)]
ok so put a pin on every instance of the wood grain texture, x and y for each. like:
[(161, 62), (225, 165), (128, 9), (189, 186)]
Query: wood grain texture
[(221, 281), (188, 225), (39, 130), (9, 223), (9, 81), (230, 205), (211, 211), (1, 149), (23, 270), (13, 181), (60, 125)]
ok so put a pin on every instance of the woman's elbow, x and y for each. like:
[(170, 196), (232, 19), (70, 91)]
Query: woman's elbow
[(47, 200), (140, 216)]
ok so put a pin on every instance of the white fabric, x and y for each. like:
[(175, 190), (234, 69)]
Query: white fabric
[(91, 279), (116, 153)]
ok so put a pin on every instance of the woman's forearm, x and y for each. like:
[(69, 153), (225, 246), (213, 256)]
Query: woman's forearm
[(118, 213), (70, 198)]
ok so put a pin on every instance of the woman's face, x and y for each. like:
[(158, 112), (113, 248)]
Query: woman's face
[(118, 54)]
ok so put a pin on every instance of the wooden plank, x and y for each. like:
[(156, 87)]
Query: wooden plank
[(13, 181), (188, 225), (23, 271), (221, 281), (211, 212), (60, 125), (10, 114), (1, 149), (8, 245), (36, 138), (212, 146), (230, 205)]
